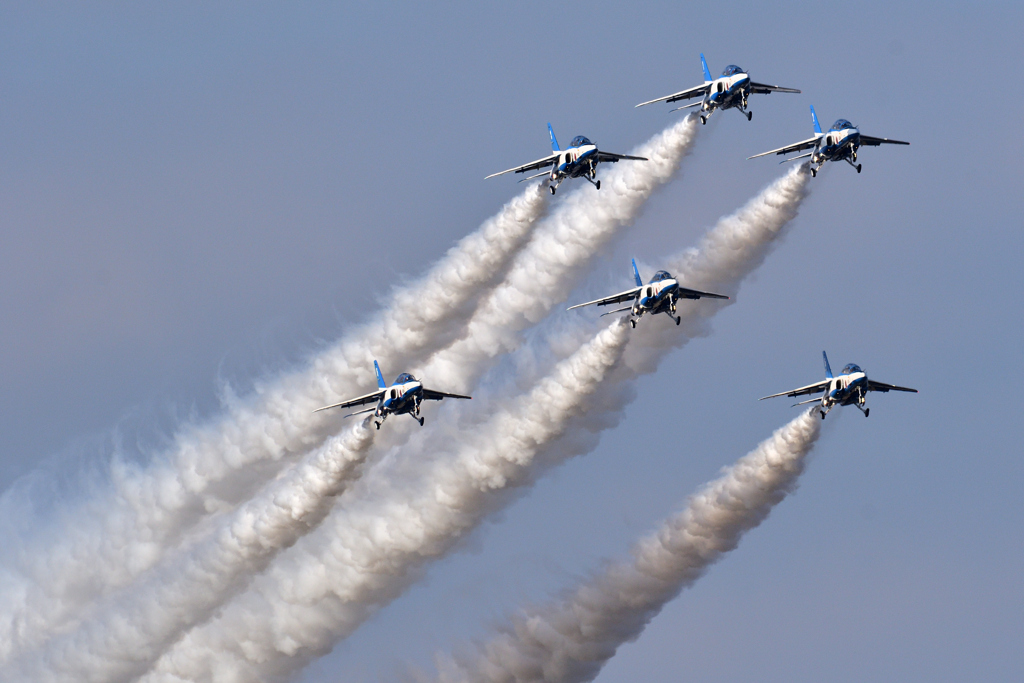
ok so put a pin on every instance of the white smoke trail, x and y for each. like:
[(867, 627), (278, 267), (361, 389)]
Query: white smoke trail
[(580, 228), (52, 569), (570, 641), (365, 557), (550, 265), (124, 637), (725, 256)]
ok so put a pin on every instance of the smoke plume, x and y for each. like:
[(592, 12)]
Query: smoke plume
[(570, 640), (131, 629), (366, 556), (55, 567)]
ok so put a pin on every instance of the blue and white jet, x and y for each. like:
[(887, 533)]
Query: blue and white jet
[(851, 387), (578, 160), (657, 296), (728, 91), (404, 396), (840, 143)]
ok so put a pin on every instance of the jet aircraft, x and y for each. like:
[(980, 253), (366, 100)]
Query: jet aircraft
[(728, 91), (580, 159), (840, 144), (657, 296), (851, 387), (404, 396)]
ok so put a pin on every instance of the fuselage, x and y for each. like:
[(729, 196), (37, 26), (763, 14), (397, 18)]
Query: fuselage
[(403, 396), (656, 295), (580, 158), (840, 142), (847, 388), (731, 89)]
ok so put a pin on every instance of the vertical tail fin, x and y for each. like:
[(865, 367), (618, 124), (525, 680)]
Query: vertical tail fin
[(380, 378), (703, 63), (554, 142), (814, 118), (828, 370), (636, 275)]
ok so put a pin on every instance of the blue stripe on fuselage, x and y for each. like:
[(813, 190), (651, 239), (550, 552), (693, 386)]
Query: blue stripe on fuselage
[(575, 169), (653, 303), (729, 98), (837, 152), (402, 404)]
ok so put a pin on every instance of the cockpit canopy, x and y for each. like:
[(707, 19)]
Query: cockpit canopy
[(842, 124), (404, 377), (851, 368), (579, 141), (661, 275), (732, 70)]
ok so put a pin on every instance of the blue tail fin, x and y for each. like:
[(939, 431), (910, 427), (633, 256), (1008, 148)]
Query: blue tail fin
[(703, 63), (828, 370), (380, 378), (636, 275), (817, 128), (554, 142)]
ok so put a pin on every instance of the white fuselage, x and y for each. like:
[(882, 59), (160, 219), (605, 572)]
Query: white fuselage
[(575, 161), (726, 92), (845, 389), (400, 398), (654, 296)]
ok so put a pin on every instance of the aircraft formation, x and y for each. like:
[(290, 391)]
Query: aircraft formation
[(661, 294)]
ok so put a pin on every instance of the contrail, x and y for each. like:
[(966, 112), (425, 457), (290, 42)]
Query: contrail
[(125, 635), (369, 555), (364, 557), (570, 640), (53, 568)]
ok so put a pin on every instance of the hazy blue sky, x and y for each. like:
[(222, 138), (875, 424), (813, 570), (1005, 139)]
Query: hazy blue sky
[(193, 194)]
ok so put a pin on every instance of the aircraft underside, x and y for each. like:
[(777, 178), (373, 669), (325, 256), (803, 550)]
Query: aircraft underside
[(737, 100), (667, 307), (586, 171), (846, 153), (409, 406)]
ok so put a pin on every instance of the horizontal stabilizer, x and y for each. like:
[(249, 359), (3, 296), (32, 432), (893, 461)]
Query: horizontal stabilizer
[(686, 106), (810, 400), (360, 412), (535, 176), (802, 156), (617, 310)]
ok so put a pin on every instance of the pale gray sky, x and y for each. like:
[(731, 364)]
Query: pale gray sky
[(194, 195)]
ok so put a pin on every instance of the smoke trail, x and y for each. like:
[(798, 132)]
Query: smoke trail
[(362, 558), (553, 261), (365, 557), (133, 628), (725, 256), (570, 641), (87, 549), (580, 228)]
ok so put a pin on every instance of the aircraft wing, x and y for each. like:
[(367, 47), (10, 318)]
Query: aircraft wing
[(764, 88), (879, 386), (804, 144), (875, 142), (696, 91), (532, 166), (684, 293), (612, 157), (628, 295), (430, 395), (802, 391), (361, 401)]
